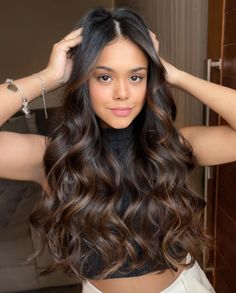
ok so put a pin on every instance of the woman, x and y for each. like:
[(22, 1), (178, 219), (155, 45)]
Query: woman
[(116, 212)]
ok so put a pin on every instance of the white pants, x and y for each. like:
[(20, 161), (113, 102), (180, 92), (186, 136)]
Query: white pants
[(191, 280)]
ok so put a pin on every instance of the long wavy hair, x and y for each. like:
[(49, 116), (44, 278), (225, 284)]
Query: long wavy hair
[(79, 214)]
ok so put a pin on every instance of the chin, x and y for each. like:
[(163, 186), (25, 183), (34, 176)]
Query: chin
[(116, 125)]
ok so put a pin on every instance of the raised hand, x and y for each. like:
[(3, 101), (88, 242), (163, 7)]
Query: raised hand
[(60, 63), (171, 71)]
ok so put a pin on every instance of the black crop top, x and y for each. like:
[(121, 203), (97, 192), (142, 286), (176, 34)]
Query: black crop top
[(118, 140)]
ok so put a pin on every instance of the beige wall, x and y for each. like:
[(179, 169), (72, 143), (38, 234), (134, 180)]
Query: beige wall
[(29, 28)]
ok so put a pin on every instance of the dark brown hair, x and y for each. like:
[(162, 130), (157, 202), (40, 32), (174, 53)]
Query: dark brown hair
[(79, 215)]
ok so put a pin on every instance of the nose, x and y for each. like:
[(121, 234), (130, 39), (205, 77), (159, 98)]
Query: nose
[(121, 90)]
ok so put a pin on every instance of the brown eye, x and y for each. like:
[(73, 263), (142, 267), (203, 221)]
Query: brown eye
[(136, 78), (104, 77)]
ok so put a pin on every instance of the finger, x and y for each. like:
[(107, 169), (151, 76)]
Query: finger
[(73, 34), (67, 45), (155, 41), (152, 34), (70, 43)]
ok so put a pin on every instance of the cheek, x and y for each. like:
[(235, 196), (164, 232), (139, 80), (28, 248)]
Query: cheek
[(141, 94), (99, 94)]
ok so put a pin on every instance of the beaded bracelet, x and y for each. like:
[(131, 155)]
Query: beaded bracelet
[(25, 109), (13, 87)]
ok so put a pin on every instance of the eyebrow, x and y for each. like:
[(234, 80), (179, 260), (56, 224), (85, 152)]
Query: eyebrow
[(111, 70)]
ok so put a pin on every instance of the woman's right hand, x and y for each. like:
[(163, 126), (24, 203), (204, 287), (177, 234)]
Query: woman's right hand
[(60, 63)]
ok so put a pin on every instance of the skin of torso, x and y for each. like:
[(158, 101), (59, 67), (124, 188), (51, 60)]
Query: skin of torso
[(148, 283)]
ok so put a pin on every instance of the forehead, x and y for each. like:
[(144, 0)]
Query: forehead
[(122, 53)]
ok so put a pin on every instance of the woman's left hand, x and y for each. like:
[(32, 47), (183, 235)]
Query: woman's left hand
[(171, 71)]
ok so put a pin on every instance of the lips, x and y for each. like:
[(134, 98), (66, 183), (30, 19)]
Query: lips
[(121, 111)]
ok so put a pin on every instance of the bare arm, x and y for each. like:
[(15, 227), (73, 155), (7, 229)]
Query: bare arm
[(211, 145), (215, 144), (219, 98), (55, 75), (21, 155), (11, 102)]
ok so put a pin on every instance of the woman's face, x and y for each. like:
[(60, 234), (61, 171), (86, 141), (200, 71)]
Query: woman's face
[(118, 84)]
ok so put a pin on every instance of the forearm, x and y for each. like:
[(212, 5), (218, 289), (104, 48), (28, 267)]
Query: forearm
[(11, 102), (56, 74), (220, 99)]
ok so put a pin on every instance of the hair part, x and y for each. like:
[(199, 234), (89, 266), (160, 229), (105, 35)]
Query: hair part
[(117, 28)]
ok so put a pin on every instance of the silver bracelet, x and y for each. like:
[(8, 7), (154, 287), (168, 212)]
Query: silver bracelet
[(13, 87), (43, 94)]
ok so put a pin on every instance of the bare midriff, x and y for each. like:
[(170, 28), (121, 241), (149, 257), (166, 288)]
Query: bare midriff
[(148, 283)]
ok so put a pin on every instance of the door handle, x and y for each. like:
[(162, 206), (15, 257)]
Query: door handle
[(210, 64), (208, 169)]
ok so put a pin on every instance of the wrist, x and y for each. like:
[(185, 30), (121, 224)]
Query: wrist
[(176, 77), (50, 81), (180, 79), (172, 74)]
